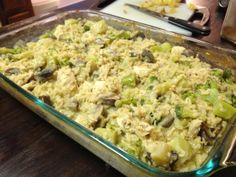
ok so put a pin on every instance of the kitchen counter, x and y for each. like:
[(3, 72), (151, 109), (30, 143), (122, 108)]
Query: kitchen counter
[(31, 147)]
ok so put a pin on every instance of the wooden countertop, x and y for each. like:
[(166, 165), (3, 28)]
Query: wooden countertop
[(30, 147)]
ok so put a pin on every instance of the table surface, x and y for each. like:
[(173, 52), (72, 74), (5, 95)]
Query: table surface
[(31, 147)]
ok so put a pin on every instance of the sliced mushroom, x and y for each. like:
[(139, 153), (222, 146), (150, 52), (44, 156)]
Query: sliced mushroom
[(204, 133), (110, 99), (147, 56), (45, 74), (174, 157), (148, 158), (167, 121), (12, 71), (46, 99), (139, 34)]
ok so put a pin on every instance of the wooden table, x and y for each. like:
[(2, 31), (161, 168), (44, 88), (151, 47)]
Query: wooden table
[(30, 147)]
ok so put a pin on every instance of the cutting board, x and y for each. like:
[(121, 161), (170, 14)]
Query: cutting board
[(118, 8)]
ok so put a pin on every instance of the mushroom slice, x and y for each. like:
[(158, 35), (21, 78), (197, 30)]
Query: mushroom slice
[(46, 99), (12, 71), (147, 56), (167, 121), (174, 157), (148, 158), (205, 134), (45, 74), (109, 99)]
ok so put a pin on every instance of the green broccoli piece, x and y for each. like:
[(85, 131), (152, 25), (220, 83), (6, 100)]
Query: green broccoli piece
[(86, 28), (5, 50), (224, 110), (152, 79), (124, 35), (227, 74), (223, 75), (129, 80), (210, 84), (233, 100), (178, 111), (166, 47), (189, 94), (217, 72), (182, 112), (120, 103), (212, 97)]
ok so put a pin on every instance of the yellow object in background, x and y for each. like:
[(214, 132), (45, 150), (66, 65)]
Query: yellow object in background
[(165, 6), (160, 5), (191, 6), (171, 3)]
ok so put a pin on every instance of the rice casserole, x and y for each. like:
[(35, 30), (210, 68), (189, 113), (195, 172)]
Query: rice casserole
[(156, 101)]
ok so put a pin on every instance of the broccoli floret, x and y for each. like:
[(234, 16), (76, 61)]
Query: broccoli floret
[(223, 75), (189, 94), (233, 100), (129, 80), (120, 103), (227, 74), (183, 112), (210, 84), (5, 50), (86, 28), (224, 110), (152, 79), (124, 35), (217, 72), (178, 111)]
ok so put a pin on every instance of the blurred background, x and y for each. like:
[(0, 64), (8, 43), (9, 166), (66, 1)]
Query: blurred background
[(16, 10)]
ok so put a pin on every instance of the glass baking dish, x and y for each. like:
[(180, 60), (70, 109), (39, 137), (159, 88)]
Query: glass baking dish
[(130, 166)]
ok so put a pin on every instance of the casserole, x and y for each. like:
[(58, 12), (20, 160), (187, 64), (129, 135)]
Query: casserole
[(81, 134)]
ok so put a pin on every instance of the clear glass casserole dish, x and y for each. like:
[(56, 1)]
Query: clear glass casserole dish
[(119, 159)]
